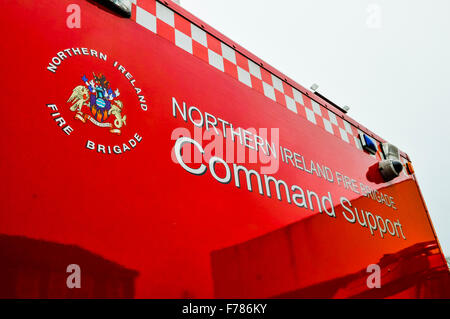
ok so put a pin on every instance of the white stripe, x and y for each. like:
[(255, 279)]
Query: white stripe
[(269, 91), (215, 60), (183, 41), (290, 103), (165, 14), (254, 69), (228, 53), (244, 76), (198, 35), (145, 19), (277, 83), (310, 115)]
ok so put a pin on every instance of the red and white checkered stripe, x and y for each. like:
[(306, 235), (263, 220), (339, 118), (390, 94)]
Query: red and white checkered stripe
[(167, 23)]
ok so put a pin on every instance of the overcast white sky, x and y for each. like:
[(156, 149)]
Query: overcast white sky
[(387, 59)]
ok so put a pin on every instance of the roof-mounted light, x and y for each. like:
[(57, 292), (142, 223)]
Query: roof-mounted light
[(390, 169), (390, 151), (123, 7), (368, 143), (391, 166), (314, 87), (409, 168)]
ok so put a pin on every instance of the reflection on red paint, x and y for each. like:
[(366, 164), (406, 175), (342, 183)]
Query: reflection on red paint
[(33, 268), (308, 259)]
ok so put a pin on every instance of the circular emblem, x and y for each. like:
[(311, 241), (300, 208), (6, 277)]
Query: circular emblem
[(94, 105)]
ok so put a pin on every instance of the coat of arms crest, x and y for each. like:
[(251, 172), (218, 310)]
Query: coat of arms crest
[(96, 101)]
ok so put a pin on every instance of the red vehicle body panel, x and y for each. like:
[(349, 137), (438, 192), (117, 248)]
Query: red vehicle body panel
[(137, 223)]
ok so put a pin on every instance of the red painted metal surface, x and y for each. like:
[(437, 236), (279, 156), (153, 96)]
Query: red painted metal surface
[(137, 223)]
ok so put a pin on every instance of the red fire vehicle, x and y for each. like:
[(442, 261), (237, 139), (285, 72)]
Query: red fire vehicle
[(152, 157)]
